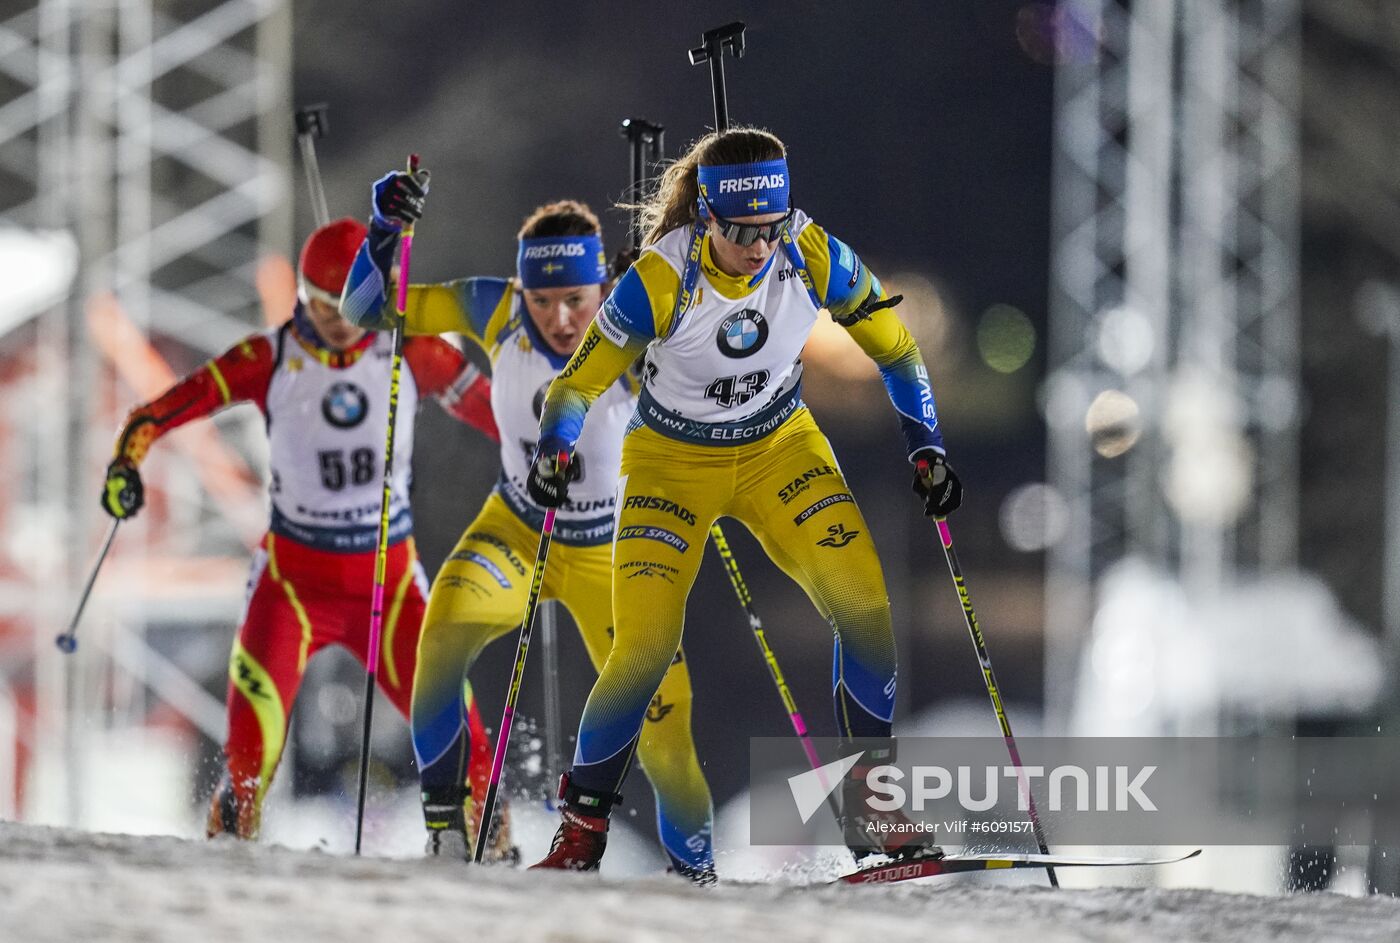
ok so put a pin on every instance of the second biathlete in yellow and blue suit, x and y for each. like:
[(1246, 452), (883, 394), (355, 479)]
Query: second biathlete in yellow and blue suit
[(528, 326)]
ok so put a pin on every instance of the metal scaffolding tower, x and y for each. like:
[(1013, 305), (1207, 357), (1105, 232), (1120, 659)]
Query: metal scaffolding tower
[(155, 133), (1174, 370)]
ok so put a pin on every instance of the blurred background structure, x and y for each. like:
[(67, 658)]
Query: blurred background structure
[(1174, 326), (1149, 247), (145, 181)]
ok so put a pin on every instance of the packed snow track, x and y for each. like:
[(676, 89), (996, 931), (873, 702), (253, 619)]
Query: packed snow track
[(61, 885)]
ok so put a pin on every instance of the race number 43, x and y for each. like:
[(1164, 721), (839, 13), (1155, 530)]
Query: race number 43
[(736, 391)]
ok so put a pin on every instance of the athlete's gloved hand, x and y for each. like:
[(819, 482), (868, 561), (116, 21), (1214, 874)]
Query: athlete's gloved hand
[(936, 482), (398, 199), (122, 493), (550, 474)]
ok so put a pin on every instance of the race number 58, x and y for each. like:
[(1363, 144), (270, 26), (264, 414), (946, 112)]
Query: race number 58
[(336, 473)]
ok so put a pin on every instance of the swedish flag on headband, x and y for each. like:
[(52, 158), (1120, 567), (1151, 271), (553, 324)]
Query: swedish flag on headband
[(560, 261), (735, 190)]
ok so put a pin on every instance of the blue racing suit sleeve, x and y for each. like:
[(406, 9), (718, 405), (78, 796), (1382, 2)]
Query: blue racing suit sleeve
[(465, 305), (634, 313), (362, 301), (627, 315)]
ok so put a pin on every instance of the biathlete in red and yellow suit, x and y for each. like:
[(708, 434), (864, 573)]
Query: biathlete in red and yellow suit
[(322, 384)]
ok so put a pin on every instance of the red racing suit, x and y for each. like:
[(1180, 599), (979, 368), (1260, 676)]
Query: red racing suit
[(312, 574)]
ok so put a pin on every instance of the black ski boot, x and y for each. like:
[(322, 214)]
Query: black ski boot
[(452, 829), (230, 815), (223, 810), (447, 832)]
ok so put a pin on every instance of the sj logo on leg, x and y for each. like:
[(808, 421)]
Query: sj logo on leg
[(838, 536)]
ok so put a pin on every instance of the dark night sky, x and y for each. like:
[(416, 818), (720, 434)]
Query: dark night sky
[(920, 132)]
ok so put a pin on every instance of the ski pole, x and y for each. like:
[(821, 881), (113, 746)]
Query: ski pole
[(381, 553), (68, 641), (312, 123), (741, 589), (993, 689), (522, 648)]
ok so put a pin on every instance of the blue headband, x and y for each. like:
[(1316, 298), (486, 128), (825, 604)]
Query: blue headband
[(735, 190), (561, 261)]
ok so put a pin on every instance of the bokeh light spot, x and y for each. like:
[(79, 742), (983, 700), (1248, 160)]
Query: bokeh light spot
[(1033, 517), (1005, 338), (1125, 342), (1114, 423)]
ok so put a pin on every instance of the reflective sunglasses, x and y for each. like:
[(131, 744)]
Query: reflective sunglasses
[(746, 234)]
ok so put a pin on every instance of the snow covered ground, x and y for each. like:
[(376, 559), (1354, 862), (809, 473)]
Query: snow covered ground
[(63, 885)]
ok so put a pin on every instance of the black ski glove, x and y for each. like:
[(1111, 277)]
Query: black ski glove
[(399, 197), (936, 482), (550, 474), (122, 492)]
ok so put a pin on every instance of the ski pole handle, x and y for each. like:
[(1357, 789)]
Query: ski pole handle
[(405, 251)]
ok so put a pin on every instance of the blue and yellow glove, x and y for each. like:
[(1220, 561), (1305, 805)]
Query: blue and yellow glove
[(398, 199)]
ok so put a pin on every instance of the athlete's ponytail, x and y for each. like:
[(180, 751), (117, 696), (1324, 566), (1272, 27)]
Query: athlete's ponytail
[(672, 204)]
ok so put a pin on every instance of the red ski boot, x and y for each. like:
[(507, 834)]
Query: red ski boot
[(870, 831), (583, 833), (578, 845)]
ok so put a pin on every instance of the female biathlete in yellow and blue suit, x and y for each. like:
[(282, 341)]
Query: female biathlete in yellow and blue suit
[(529, 326), (721, 302)]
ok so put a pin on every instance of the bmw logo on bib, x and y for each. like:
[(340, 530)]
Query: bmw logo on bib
[(345, 405), (742, 333)]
